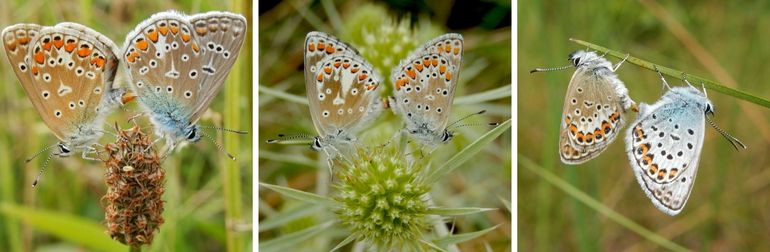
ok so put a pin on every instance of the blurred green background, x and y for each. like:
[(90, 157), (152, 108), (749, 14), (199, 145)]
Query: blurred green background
[(486, 28), (208, 197), (722, 40)]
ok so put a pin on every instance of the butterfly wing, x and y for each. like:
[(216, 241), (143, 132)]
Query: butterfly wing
[(425, 83), (341, 86), (69, 68), (592, 114), (176, 68), (222, 34), (664, 146)]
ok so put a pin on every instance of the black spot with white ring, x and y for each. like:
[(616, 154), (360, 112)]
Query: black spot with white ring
[(169, 89), (188, 94), (193, 74)]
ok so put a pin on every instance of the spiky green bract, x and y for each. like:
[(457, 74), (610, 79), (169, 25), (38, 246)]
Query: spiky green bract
[(382, 198)]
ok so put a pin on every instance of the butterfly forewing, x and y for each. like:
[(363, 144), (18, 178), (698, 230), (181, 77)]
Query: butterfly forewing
[(592, 115), (69, 68), (221, 34), (664, 146), (425, 83)]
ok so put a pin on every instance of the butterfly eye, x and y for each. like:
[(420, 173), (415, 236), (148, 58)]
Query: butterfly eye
[(64, 149), (193, 135), (576, 61)]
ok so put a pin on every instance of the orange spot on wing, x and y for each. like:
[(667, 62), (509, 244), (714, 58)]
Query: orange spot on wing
[(434, 62), (330, 49), (411, 73), (195, 47), (336, 64), (418, 67), (448, 76), (142, 45), (70, 47), (448, 48), (174, 29), (152, 36), (442, 69), (400, 83), (354, 70), (24, 40), (345, 65), (320, 77), (426, 62), (131, 58), (321, 46), (11, 47), (34, 70), (84, 51), (573, 129), (186, 38), (47, 46), (58, 43), (653, 168), (39, 57), (457, 50), (371, 87), (327, 70), (163, 30), (362, 76), (311, 47)]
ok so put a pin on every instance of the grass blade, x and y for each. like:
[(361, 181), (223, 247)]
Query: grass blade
[(455, 239), (285, 242), (283, 95), (694, 79), (70, 228), (432, 245), (455, 211), (489, 95), (347, 241), (300, 195), (597, 206), (288, 216), (468, 152)]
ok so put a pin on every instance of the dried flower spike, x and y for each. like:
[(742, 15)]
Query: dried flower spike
[(134, 188)]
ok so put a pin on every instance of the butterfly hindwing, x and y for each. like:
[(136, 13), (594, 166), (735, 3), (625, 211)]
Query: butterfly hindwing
[(341, 86), (664, 146), (424, 88), (70, 68), (594, 107)]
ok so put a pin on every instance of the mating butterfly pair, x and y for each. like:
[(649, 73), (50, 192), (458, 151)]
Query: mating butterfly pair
[(664, 142), (342, 89), (177, 64)]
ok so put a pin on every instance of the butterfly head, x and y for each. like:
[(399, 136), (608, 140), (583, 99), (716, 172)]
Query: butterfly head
[(192, 133), (588, 59), (64, 150), (693, 95)]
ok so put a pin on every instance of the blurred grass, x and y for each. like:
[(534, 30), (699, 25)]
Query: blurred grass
[(198, 218), (283, 26), (722, 41)]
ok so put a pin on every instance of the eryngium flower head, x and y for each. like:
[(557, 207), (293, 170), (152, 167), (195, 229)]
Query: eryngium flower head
[(134, 188), (382, 197)]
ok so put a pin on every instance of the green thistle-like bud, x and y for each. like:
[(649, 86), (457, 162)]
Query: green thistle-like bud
[(382, 40), (382, 197), (134, 188)]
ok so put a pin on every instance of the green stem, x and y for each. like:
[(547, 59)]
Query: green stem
[(678, 74), (231, 174), (135, 249), (598, 206)]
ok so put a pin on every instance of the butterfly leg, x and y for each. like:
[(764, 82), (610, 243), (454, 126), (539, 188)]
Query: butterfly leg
[(661, 76), (615, 68), (90, 150)]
